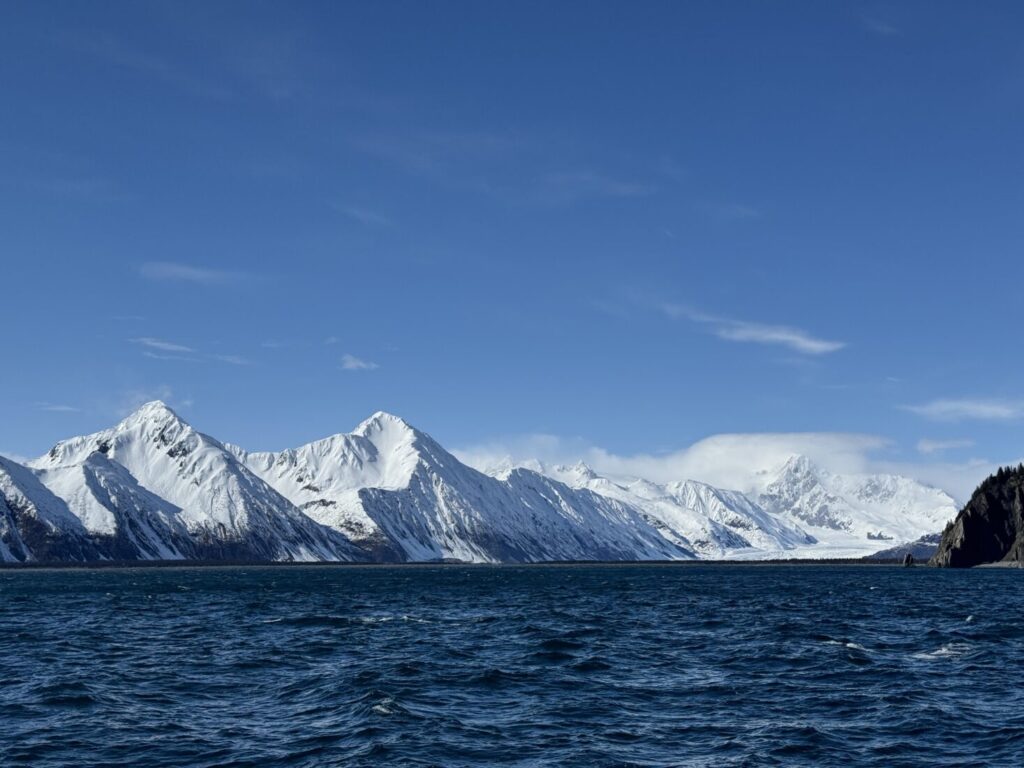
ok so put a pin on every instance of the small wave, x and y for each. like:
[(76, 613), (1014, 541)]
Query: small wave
[(552, 657), (591, 665), (946, 651), (846, 644), (328, 620), (384, 707), (560, 644)]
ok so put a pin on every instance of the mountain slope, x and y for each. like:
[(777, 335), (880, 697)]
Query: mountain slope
[(396, 491), (133, 523), (850, 514), (227, 511), (36, 525), (712, 522)]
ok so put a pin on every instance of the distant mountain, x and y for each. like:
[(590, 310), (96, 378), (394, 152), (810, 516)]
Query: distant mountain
[(798, 511), (990, 527), (153, 488), (852, 512), (712, 522)]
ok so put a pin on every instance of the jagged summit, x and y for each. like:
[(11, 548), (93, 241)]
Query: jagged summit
[(152, 416), (154, 410), (381, 421)]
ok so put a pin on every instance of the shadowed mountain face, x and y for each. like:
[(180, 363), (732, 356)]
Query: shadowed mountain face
[(990, 528)]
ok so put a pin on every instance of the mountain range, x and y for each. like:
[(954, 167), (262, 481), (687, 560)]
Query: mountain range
[(154, 488)]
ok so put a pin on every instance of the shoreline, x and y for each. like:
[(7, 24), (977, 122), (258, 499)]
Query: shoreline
[(192, 564)]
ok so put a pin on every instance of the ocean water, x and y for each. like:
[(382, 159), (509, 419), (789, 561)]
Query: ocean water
[(512, 666)]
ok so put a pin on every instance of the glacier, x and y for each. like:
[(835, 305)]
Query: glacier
[(154, 488)]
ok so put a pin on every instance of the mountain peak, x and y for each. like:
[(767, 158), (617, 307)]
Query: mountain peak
[(153, 411), (382, 421), (797, 464), (580, 471)]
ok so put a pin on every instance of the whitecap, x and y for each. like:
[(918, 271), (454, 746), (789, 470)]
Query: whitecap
[(945, 651), (384, 706)]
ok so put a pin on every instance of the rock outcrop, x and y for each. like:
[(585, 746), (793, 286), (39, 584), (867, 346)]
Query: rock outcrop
[(990, 528)]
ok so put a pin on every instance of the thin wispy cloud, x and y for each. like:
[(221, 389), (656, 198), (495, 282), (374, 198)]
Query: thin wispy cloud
[(353, 363), (435, 152), (730, 329), (57, 408), (574, 186), (969, 409), (232, 359), (286, 343), (879, 26), (331, 340), (929, 447), (187, 273), (733, 212), (364, 216), (122, 54), (163, 346), (177, 358)]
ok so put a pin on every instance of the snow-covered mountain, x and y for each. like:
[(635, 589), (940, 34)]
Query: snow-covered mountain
[(37, 525), (798, 510), (712, 522), (854, 512), (152, 487), (153, 479), (400, 495)]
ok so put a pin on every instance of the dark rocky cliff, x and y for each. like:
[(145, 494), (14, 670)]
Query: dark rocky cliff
[(990, 528)]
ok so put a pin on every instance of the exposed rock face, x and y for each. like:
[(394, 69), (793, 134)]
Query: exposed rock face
[(990, 528)]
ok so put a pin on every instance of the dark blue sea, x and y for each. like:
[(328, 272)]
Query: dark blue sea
[(703, 665)]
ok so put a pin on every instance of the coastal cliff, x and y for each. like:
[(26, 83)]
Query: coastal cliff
[(990, 528)]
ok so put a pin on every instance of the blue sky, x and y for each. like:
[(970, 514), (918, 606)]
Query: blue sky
[(622, 225)]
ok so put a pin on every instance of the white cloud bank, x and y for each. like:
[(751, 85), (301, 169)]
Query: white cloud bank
[(741, 462)]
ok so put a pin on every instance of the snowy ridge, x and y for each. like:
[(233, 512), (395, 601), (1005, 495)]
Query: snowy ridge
[(712, 522), (855, 512), (398, 493), (800, 511), (154, 488), (227, 512), (36, 525)]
